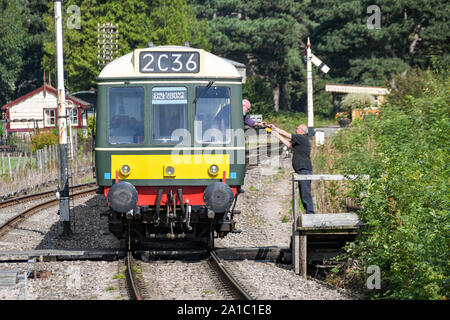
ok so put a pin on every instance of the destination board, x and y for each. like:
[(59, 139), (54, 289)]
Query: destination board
[(169, 95), (169, 62)]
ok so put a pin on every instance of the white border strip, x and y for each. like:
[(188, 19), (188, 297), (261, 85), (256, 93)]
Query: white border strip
[(168, 149), (162, 82)]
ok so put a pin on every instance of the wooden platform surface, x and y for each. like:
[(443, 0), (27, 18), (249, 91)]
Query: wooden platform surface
[(328, 222)]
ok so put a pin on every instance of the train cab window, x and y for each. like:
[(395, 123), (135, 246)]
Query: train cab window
[(212, 115), (126, 115), (169, 105)]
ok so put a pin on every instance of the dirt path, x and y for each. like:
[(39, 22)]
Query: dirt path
[(265, 218)]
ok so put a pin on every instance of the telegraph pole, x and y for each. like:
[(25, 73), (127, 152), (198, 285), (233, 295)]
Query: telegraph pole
[(64, 212)]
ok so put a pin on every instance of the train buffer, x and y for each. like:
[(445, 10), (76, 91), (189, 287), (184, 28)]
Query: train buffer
[(320, 236)]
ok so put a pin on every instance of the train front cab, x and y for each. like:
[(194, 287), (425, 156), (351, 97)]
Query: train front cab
[(170, 152)]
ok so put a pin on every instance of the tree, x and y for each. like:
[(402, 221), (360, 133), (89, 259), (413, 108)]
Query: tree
[(264, 34), (14, 41), (163, 22), (174, 22), (30, 76), (409, 33), (22, 32)]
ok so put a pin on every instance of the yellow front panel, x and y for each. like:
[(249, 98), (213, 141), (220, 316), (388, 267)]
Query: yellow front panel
[(186, 166)]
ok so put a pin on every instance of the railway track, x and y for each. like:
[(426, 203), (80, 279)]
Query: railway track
[(254, 156), (232, 286), (229, 284), (14, 220), (41, 195)]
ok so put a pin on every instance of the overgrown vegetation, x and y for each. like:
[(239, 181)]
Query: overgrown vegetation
[(42, 139), (405, 203), (354, 101)]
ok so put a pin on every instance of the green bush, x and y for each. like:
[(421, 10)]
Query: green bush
[(406, 202), (91, 126), (289, 120), (42, 139), (354, 101)]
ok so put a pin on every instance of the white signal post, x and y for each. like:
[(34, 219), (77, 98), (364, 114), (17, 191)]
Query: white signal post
[(310, 89), (64, 213), (312, 59)]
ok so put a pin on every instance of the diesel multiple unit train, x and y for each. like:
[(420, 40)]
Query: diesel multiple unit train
[(170, 146)]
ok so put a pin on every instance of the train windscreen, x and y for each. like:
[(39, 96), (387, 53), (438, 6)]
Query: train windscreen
[(169, 105), (126, 115), (212, 115)]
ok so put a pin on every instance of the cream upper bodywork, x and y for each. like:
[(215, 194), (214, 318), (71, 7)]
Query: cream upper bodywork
[(211, 66)]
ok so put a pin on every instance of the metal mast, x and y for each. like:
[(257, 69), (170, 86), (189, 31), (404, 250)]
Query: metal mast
[(309, 89), (64, 212)]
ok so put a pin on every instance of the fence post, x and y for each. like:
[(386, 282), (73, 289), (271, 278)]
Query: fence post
[(9, 166), (295, 234), (44, 151), (25, 158), (40, 159), (3, 166), (18, 164), (53, 156)]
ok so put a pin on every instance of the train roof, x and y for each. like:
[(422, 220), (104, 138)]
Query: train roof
[(210, 66)]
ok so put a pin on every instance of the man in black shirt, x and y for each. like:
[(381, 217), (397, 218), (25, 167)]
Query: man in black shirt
[(301, 160)]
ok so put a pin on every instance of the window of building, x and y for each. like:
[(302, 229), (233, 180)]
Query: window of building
[(73, 117), (169, 114), (212, 115), (49, 117), (126, 115)]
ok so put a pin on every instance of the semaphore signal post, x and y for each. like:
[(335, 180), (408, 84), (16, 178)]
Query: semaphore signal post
[(310, 60)]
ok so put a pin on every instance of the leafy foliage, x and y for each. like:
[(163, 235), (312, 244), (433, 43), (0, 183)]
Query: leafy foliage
[(405, 203), (410, 33), (162, 22), (263, 34), (22, 32), (42, 139), (357, 101), (13, 35)]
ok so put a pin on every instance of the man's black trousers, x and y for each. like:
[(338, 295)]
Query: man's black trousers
[(305, 191)]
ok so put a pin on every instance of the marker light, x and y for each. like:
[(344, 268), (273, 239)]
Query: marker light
[(170, 171), (213, 170), (125, 170)]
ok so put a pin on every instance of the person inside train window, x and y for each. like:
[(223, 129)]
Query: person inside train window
[(122, 130), (246, 105), (222, 117), (169, 114), (301, 161)]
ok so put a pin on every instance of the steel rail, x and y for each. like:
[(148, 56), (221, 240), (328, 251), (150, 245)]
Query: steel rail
[(239, 291), (23, 215), (132, 287), (40, 195), (253, 153)]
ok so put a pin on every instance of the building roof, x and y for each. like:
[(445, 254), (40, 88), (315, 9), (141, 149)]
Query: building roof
[(346, 88), (48, 87)]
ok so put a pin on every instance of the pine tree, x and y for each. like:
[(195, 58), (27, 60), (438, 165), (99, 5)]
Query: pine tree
[(139, 21), (263, 34), (409, 33)]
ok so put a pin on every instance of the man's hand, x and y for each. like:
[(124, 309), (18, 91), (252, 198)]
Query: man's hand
[(273, 127), (261, 124)]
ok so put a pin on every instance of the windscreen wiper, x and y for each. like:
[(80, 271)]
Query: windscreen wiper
[(204, 91)]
